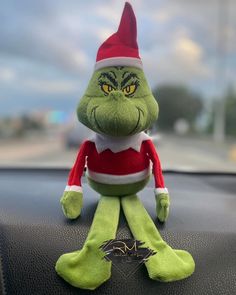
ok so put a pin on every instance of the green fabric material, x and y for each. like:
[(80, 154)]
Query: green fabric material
[(118, 189), (72, 203), (162, 206), (86, 268), (116, 113), (119, 102), (167, 264)]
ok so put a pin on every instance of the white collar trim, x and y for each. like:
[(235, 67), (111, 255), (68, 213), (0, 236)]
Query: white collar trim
[(118, 144)]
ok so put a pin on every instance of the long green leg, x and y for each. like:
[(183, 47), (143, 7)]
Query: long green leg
[(86, 268), (167, 264)]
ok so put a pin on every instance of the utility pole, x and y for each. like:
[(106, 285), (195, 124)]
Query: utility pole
[(219, 105)]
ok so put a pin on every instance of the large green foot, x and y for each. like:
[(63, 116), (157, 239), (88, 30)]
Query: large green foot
[(85, 269), (169, 265)]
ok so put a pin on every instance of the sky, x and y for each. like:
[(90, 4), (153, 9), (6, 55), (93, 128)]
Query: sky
[(48, 47)]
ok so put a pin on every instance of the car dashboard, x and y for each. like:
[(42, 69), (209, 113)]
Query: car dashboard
[(34, 233)]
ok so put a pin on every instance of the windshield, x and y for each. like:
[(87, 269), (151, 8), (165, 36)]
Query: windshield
[(47, 56)]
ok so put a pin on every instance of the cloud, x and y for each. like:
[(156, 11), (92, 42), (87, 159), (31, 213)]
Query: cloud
[(109, 12), (39, 36), (7, 74), (103, 33), (51, 87), (48, 48), (183, 62), (188, 48)]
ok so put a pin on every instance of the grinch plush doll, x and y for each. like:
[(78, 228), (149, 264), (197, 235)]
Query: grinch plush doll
[(119, 106)]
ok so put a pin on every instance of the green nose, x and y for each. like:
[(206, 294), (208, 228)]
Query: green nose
[(117, 95)]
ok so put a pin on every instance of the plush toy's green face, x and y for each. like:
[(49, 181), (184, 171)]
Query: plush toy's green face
[(118, 102)]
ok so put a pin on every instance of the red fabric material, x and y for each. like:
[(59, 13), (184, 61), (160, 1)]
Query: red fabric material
[(124, 42), (122, 163), (157, 171), (78, 168)]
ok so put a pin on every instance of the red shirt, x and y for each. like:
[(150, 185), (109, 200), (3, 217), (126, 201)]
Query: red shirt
[(122, 167)]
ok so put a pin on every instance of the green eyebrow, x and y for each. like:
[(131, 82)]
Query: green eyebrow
[(130, 76), (126, 72), (109, 77)]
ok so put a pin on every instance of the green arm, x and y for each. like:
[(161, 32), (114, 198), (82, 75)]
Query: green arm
[(162, 206), (71, 203)]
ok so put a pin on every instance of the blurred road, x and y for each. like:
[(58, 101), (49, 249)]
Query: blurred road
[(175, 152)]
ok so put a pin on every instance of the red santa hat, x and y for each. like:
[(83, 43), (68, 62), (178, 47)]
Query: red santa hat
[(121, 48)]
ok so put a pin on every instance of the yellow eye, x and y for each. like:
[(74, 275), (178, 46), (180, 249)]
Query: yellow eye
[(130, 89), (107, 88)]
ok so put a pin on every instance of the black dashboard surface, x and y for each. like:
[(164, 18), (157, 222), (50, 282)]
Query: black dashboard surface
[(34, 233)]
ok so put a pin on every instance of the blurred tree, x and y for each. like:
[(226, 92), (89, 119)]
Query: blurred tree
[(30, 123), (177, 102), (230, 113)]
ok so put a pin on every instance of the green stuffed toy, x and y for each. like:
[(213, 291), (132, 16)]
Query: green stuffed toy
[(119, 106)]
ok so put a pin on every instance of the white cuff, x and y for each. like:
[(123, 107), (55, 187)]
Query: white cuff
[(73, 188), (159, 191)]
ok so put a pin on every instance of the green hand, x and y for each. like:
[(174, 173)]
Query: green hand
[(72, 204), (162, 206)]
